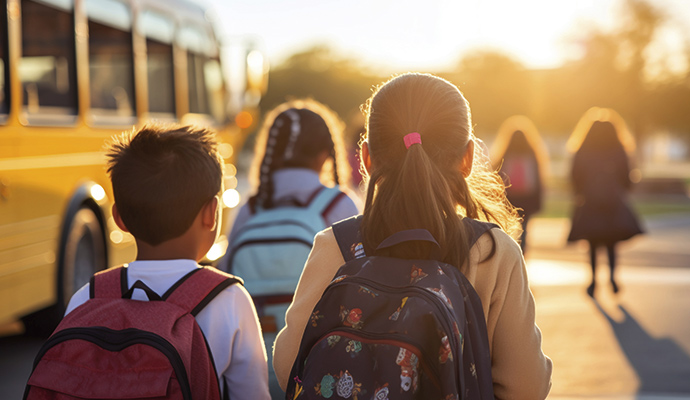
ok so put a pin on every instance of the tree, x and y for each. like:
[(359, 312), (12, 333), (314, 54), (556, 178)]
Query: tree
[(496, 86), (321, 74)]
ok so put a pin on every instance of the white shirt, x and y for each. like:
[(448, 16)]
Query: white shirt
[(229, 323)]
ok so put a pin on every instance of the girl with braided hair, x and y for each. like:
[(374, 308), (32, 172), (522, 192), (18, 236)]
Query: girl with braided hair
[(299, 151), (299, 167)]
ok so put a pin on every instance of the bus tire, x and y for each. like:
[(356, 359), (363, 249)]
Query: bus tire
[(82, 254)]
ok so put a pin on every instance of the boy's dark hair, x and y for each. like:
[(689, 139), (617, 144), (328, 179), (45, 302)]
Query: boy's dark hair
[(162, 175)]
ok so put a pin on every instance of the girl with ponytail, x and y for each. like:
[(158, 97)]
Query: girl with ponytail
[(426, 172)]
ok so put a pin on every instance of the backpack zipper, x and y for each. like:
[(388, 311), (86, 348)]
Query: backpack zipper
[(119, 340)]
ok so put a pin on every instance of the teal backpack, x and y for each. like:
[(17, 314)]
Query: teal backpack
[(270, 250)]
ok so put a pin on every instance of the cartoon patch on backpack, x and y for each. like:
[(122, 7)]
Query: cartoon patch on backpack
[(344, 385), (315, 317), (325, 387), (351, 318), (357, 250), (441, 295), (444, 352), (353, 347), (417, 275), (408, 362), (333, 340), (364, 289), (381, 393), (396, 314)]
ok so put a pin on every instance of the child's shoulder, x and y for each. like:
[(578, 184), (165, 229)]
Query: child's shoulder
[(325, 242), (498, 242), (232, 297), (231, 307)]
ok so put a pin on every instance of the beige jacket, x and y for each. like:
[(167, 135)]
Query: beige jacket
[(519, 367)]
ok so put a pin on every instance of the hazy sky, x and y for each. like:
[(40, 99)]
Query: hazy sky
[(433, 34)]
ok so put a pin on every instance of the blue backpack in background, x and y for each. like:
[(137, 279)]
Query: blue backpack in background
[(270, 250), (394, 328)]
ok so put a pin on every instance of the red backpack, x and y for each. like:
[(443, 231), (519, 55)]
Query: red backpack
[(113, 347)]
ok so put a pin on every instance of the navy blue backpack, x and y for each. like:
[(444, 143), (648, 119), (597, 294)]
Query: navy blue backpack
[(394, 328)]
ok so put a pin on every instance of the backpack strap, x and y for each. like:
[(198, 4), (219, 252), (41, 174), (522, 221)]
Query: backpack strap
[(326, 198), (347, 234), (412, 235), (196, 289), (291, 200), (320, 200), (111, 283), (478, 228)]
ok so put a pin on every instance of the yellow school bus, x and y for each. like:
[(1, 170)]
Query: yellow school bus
[(72, 74)]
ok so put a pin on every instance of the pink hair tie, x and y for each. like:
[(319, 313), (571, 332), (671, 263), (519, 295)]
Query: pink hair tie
[(412, 138)]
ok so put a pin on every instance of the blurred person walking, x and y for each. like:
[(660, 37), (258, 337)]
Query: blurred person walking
[(600, 178), (521, 157)]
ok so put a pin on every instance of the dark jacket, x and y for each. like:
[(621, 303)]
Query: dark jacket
[(601, 181)]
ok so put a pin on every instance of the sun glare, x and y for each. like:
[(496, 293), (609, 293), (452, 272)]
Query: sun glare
[(97, 192), (218, 249), (225, 150), (433, 35), (231, 198)]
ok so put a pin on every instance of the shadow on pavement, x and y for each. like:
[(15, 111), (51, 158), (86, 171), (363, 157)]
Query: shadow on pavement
[(662, 366), (16, 362)]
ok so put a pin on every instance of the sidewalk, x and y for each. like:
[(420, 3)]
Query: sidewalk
[(666, 242), (635, 345)]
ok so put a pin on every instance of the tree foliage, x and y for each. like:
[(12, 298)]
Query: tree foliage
[(321, 74), (612, 71)]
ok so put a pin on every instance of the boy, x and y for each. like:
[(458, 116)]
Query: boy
[(166, 183)]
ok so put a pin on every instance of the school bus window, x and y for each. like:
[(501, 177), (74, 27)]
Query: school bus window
[(200, 51), (3, 44), (213, 78), (47, 67), (159, 32), (111, 71)]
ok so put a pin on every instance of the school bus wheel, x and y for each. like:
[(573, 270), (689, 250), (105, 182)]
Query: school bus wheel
[(83, 253)]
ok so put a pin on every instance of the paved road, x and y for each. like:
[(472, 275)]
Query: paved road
[(632, 346), (635, 345)]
